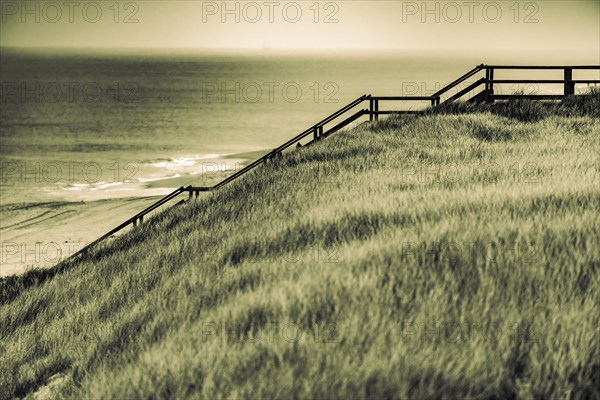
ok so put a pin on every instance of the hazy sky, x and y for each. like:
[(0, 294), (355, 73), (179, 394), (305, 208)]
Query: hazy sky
[(460, 25)]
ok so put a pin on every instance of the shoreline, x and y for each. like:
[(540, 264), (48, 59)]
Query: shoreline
[(38, 234)]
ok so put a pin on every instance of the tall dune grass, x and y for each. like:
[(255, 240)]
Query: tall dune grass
[(449, 255)]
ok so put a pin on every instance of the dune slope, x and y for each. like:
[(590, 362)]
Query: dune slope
[(451, 255)]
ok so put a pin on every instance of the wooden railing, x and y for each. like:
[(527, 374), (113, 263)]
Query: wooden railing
[(318, 131), (567, 81), (136, 219), (435, 98)]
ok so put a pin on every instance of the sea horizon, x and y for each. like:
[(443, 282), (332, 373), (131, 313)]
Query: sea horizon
[(196, 103)]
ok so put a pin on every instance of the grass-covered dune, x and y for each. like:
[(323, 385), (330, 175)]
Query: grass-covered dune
[(447, 255)]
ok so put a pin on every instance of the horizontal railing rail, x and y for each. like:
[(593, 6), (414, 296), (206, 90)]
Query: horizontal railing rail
[(466, 90), (133, 220), (317, 127), (319, 132), (403, 98), (568, 82), (542, 66), (342, 124), (528, 96), (456, 82), (194, 190)]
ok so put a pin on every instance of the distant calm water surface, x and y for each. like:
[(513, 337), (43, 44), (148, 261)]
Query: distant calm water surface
[(95, 125)]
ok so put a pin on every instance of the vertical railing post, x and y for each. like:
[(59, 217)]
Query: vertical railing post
[(315, 133), (491, 88), (486, 91), (569, 87), (371, 106), (376, 110), (190, 194)]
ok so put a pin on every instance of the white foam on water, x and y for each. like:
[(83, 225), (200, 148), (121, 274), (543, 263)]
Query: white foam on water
[(178, 163), (147, 180)]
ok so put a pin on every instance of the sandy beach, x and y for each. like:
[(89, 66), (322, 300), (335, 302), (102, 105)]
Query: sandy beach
[(40, 234)]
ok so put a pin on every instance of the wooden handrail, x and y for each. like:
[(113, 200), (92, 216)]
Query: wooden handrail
[(528, 96), (543, 66), (341, 125), (544, 81), (457, 81), (528, 81), (292, 141), (568, 82), (131, 220), (467, 89), (318, 129), (340, 111), (396, 98), (139, 216), (159, 203)]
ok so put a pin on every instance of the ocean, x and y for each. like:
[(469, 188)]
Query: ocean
[(88, 138), (86, 125)]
